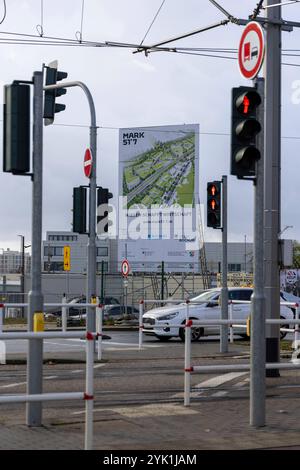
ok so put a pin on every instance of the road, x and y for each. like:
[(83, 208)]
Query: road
[(139, 395), (119, 340)]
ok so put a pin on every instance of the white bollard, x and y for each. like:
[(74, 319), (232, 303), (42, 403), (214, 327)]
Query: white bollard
[(297, 332), (187, 310), (64, 318), (99, 328), (231, 318), (1, 317), (141, 311), (89, 392), (187, 363)]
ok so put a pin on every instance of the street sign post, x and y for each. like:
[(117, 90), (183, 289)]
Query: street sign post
[(88, 163), (251, 50), (125, 268)]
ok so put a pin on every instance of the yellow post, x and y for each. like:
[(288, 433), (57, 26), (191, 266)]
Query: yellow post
[(248, 326), (38, 322)]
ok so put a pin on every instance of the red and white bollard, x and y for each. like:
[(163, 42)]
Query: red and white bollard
[(187, 363), (141, 311), (89, 392), (99, 328)]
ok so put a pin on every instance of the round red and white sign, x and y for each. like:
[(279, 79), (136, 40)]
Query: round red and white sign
[(88, 163), (291, 276), (125, 268), (251, 50)]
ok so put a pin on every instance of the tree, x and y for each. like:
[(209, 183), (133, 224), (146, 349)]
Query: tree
[(296, 254)]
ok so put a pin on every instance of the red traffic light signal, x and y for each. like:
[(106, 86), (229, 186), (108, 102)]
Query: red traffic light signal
[(244, 129), (214, 204)]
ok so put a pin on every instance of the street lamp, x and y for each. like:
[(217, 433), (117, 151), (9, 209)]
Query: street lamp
[(283, 230)]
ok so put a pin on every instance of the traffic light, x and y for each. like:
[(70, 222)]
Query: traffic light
[(16, 129), (79, 210), (244, 129), (214, 204), (103, 196), (50, 107)]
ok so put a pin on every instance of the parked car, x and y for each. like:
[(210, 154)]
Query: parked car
[(209, 309), (117, 312), (76, 315)]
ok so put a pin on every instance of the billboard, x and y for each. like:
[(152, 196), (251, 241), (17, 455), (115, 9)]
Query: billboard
[(158, 186)]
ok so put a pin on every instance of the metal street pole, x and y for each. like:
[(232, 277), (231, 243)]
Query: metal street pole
[(35, 296), (91, 247), (224, 291), (22, 272), (102, 283), (272, 181), (258, 340)]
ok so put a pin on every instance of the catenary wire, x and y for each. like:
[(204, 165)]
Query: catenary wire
[(152, 22), (40, 27), (79, 33), (150, 129)]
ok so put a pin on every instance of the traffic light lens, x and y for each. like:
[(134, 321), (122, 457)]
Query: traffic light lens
[(212, 190), (247, 156), (213, 204), (247, 102), (248, 129)]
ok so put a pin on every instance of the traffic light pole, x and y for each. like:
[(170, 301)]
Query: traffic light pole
[(272, 181), (91, 248), (224, 291), (35, 296), (258, 341)]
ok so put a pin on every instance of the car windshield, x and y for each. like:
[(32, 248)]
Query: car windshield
[(206, 296)]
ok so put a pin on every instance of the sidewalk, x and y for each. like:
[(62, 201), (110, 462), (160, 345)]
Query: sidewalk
[(222, 424)]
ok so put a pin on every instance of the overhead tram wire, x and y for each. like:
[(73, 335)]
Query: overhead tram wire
[(152, 23)]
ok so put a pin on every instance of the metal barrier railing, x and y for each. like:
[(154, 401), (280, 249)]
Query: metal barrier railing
[(189, 368), (87, 395)]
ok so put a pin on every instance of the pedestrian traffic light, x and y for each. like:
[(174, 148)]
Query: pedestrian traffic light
[(214, 204), (79, 210), (16, 128), (244, 129), (50, 106), (103, 196)]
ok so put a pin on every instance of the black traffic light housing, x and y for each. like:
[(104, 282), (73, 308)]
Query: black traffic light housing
[(16, 128), (79, 210), (244, 129), (214, 204), (50, 106), (103, 196)]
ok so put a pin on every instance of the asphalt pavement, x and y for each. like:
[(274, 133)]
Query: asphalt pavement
[(139, 400)]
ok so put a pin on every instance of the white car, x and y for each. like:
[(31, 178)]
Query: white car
[(208, 309)]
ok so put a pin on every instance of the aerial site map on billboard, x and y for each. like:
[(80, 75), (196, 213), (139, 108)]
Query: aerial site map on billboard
[(158, 165), (159, 168)]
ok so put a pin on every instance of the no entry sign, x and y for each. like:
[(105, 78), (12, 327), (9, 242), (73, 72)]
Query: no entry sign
[(251, 50), (88, 163), (125, 268)]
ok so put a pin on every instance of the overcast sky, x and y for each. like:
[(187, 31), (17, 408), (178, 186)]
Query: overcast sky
[(133, 90)]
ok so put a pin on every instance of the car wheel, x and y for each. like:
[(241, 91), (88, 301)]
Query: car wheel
[(164, 339), (196, 333), (244, 336), (283, 333)]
